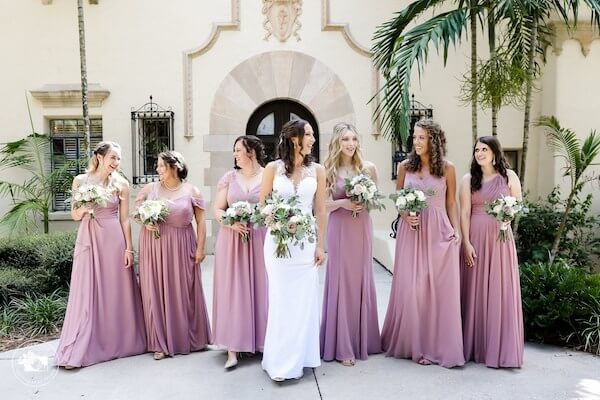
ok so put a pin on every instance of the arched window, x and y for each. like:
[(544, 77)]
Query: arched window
[(267, 120)]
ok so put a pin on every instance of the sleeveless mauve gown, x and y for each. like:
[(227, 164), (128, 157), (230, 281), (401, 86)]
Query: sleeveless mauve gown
[(491, 291), (349, 327), (104, 317), (240, 280), (174, 308), (423, 316)]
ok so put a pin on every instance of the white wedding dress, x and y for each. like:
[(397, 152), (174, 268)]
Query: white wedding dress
[(292, 338)]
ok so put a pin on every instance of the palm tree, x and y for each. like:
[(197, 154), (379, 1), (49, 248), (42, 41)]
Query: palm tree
[(396, 51), (528, 34), (578, 158), (84, 83)]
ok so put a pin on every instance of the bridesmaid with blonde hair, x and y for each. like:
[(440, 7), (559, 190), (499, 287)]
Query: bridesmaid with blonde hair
[(423, 316), (104, 314), (491, 291), (349, 327), (174, 309)]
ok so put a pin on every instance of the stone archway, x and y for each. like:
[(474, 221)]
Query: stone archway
[(266, 77)]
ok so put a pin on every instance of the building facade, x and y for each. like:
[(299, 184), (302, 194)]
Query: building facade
[(217, 70)]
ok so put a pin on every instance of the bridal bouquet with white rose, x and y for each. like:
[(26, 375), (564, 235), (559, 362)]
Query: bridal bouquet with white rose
[(88, 195), (152, 212), (410, 200), (287, 223), (240, 211), (505, 210), (362, 190)]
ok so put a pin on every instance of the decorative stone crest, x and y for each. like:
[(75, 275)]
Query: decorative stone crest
[(281, 18)]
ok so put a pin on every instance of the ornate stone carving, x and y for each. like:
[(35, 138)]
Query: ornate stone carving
[(281, 18)]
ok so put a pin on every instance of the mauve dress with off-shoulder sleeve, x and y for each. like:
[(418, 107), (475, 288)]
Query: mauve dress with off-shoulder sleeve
[(104, 317), (174, 308), (240, 280), (491, 290)]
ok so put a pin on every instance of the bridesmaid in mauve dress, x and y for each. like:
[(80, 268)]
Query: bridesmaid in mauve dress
[(240, 280), (423, 316), (104, 317), (349, 326), (174, 308), (491, 291)]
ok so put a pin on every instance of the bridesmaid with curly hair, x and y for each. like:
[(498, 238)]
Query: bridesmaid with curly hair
[(491, 291), (423, 319)]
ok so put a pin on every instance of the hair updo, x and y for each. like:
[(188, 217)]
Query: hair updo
[(174, 159)]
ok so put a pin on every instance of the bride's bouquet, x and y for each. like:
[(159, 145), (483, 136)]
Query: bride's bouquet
[(151, 212), (88, 195), (240, 211), (362, 190), (286, 222), (505, 210), (410, 200)]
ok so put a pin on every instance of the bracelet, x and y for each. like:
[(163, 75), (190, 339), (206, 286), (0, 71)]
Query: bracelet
[(129, 251)]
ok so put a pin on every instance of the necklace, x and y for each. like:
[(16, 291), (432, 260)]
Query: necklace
[(251, 175), (172, 189)]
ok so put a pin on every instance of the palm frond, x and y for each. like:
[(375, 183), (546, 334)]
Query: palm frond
[(564, 144), (409, 48), (14, 190), (21, 218), (387, 34), (590, 149)]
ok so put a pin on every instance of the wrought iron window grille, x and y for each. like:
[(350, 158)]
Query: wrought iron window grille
[(152, 131)]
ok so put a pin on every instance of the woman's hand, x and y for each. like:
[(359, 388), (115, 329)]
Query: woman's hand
[(349, 205), (199, 257), (470, 255), (151, 227), (128, 258), (455, 237), (240, 228), (412, 220), (319, 256)]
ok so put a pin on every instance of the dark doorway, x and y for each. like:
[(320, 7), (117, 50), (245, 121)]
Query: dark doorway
[(267, 120)]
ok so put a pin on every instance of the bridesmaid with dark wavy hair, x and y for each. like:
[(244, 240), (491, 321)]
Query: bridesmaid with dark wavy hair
[(240, 280), (423, 316), (491, 291)]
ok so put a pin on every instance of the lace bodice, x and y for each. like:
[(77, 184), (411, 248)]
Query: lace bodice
[(305, 189)]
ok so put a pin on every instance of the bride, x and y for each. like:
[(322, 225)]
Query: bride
[(292, 337)]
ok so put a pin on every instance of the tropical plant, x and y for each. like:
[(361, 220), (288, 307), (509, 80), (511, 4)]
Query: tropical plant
[(577, 157), (31, 199)]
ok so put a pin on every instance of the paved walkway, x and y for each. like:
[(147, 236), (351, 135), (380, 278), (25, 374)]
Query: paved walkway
[(549, 373)]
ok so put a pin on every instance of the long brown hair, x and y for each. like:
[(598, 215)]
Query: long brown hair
[(286, 150), (500, 164), (251, 142), (436, 149)]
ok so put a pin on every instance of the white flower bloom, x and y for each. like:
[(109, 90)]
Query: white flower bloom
[(411, 197), (420, 195)]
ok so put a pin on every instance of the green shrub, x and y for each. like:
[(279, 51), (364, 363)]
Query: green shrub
[(8, 321), (15, 282), (580, 244), (40, 314), (45, 259), (589, 330), (556, 300)]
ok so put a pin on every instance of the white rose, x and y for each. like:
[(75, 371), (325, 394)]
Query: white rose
[(401, 202), (268, 209), (420, 195), (410, 197), (510, 201), (296, 219), (497, 209), (230, 212)]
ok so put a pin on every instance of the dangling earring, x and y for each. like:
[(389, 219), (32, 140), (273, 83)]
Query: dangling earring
[(494, 161)]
